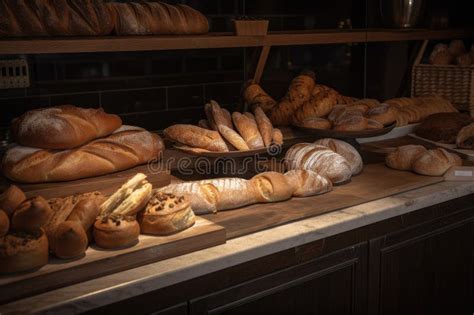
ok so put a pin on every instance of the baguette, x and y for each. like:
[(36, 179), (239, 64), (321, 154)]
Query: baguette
[(219, 117), (272, 187), (307, 183), (248, 130), (126, 148), (277, 136), (264, 126), (234, 138), (196, 137), (63, 127)]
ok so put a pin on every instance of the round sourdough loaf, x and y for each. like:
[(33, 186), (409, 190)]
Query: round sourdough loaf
[(404, 157), (346, 150), (436, 162), (116, 232)]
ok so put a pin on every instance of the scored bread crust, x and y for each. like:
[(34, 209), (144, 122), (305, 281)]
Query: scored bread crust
[(404, 157), (346, 150), (436, 162), (196, 137), (166, 214), (264, 126), (11, 198), (248, 129), (233, 137), (307, 183), (271, 187)]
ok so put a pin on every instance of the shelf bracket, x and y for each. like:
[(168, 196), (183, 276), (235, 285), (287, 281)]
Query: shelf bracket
[(262, 61)]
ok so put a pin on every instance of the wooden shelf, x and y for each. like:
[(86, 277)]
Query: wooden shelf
[(216, 40)]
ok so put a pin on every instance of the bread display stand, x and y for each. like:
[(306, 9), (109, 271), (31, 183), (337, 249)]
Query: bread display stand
[(98, 262), (464, 153), (106, 184)]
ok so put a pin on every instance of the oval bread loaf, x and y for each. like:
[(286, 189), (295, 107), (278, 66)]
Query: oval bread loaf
[(346, 150)]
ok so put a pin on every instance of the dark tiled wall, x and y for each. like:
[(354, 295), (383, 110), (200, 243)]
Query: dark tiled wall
[(156, 89)]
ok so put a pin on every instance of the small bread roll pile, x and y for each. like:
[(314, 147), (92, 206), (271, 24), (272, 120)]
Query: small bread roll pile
[(455, 53), (225, 132), (418, 159), (333, 159)]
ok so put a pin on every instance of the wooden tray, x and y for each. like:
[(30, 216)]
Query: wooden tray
[(375, 182), (231, 154), (331, 133), (98, 263), (106, 184)]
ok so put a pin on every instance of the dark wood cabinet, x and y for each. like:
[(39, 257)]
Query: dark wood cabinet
[(332, 284), (180, 309), (424, 270)]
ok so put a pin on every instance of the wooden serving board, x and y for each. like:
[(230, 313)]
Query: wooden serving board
[(106, 184), (97, 263), (375, 182)]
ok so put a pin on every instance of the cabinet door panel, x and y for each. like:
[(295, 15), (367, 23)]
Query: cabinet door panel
[(328, 285), (431, 273)]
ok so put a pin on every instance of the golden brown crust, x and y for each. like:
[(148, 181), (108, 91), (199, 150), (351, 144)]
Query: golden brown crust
[(277, 137), (166, 214), (126, 148), (11, 198), (346, 150), (436, 162), (307, 183), (196, 137), (233, 137), (264, 126), (70, 240), (86, 210), (22, 252), (254, 96), (315, 123), (272, 187), (114, 233), (384, 114), (63, 127), (404, 157), (248, 129), (465, 137), (31, 215), (350, 121), (4, 223)]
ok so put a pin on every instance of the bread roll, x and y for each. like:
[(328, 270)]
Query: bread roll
[(277, 136), (23, 252), (86, 210), (166, 214), (70, 240), (264, 126), (404, 157), (319, 159), (31, 215), (196, 137), (4, 223), (465, 137), (248, 129), (233, 137), (384, 114), (116, 232), (315, 123), (254, 96), (11, 198), (307, 183), (351, 121), (63, 127), (436, 162), (345, 150), (126, 148)]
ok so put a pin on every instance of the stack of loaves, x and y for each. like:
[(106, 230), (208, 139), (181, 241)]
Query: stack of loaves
[(224, 132), (97, 17), (317, 106), (67, 143), (422, 161), (333, 159)]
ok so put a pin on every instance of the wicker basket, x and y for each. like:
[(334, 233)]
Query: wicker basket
[(452, 82)]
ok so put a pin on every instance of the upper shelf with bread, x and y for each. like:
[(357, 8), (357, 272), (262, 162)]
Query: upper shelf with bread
[(50, 45)]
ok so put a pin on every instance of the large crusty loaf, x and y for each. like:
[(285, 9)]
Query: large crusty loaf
[(272, 187), (55, 18), (319, 159), (144, 18), (196, 137), (404, 157), (127, 147), (436, 162), (63, 127), (346, 150)]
